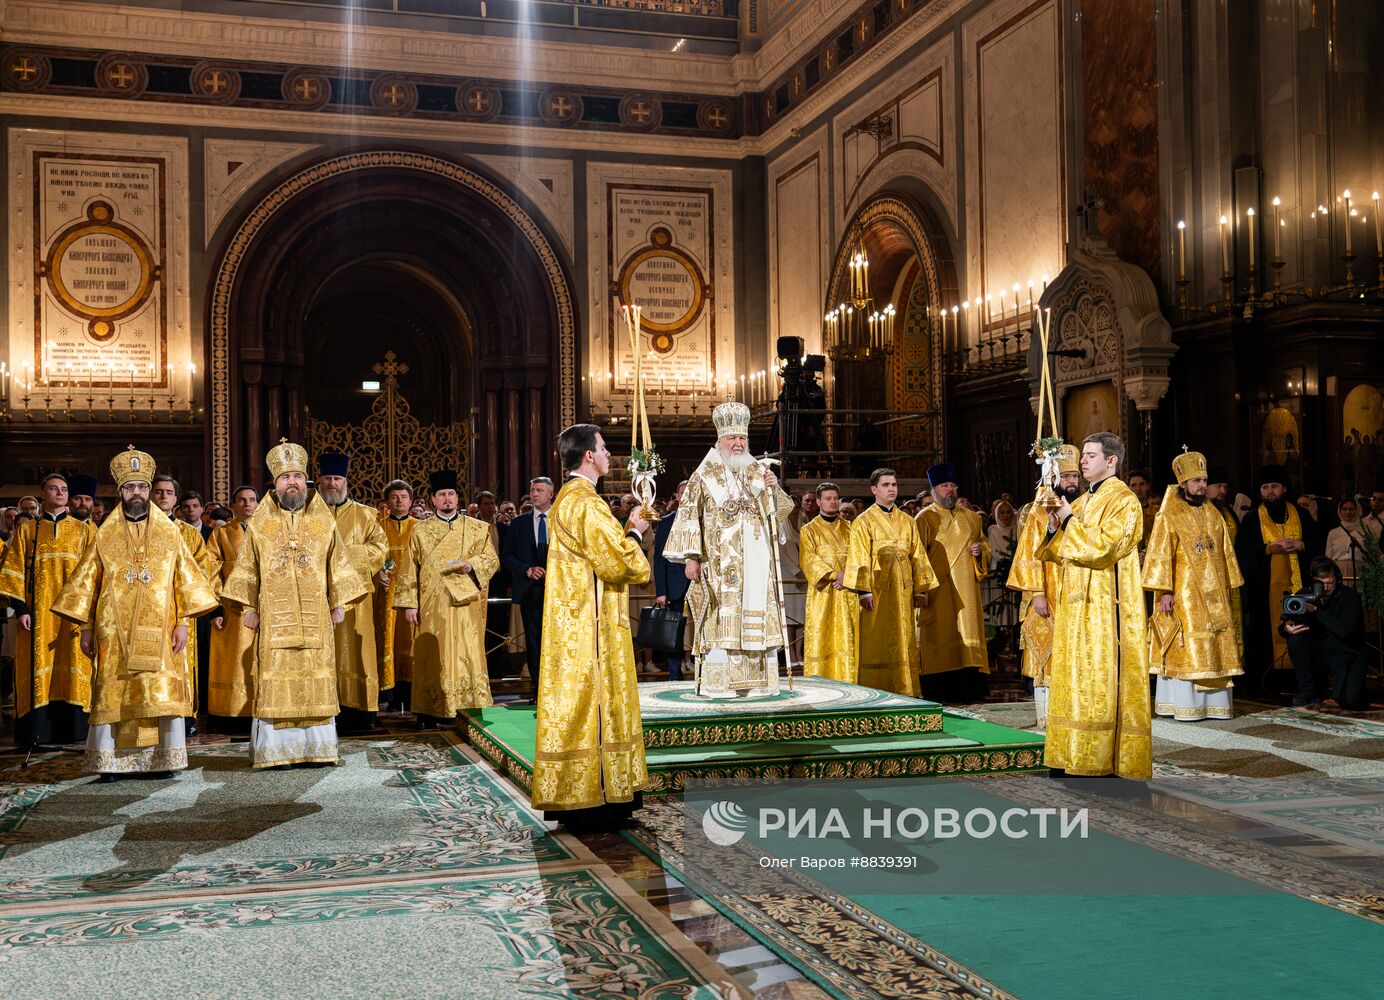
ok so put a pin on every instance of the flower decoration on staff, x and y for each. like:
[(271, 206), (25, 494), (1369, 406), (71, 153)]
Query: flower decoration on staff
[(645, 462), (1046, 450)]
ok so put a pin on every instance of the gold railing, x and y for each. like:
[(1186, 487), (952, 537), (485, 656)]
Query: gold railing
[(391, 443)]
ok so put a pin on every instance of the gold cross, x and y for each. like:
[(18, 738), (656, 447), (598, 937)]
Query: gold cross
[(864, 30), (25, 69), (121, 75), (478, 101), (306, 89), (394, 96), (389, 368), (717, 116), (641, 113), (560, 107), (215, 81)]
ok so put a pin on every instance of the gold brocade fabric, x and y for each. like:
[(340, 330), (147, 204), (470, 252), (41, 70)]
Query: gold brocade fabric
[(832, 620), (48, 662), (231, 673), (887, 559), (293, 569), (135, 584), (590, 747), (952, 626), (1190, 556), (449, 670), (724, 523), (197, 548), (357, 670), (1031, 576), (1285, 575), (393, 635), (1099, 709), (1237, 613)]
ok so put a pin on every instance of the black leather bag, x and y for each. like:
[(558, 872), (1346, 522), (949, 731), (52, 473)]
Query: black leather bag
[(661, 629)]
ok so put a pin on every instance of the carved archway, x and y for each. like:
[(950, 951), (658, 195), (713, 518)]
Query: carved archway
[(514, 379)]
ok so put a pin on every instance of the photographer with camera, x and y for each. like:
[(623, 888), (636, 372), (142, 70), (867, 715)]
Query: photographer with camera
[(1324, 626)]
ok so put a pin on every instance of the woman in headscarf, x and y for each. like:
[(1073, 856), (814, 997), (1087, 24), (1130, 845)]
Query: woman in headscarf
[(1339, 547), (1003, 532)]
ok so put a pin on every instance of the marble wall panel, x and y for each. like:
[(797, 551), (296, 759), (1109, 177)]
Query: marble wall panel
[(798, 242)]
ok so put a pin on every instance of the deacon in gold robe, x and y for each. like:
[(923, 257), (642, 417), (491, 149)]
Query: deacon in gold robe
[(952, 626), (1099, 719), (1275, 545), (888, 568), (441, 589), (163, 494), (833, 612), (589, 763), (133, 594), (1218, 495), (357, 670), (727, 534), (1037, 582), (1191, 568), (394, 635), (52, 676), (234, 650), (294, 581)]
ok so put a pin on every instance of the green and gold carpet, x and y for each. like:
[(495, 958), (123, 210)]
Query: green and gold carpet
[(410, 870)]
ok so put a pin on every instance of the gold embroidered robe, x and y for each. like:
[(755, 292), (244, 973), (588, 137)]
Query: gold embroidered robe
[(449, 670), (1237, 612), (952, 626), (887, 559), (1190, 556), (590, 747), (136, 582), (197, 548), (833, 616), (1031, 576), (1099, 708), (231, 673), (357, 670), (37, 562), (293, 569), (393, 635)]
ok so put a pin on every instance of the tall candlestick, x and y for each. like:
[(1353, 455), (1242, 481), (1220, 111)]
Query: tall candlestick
[(1225, 247), (1249, 214), (1349, 213), (1182, 249), (1277, 232), (1378, 237)]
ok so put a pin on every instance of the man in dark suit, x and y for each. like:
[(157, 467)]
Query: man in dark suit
[(524, 556), (670, 579)]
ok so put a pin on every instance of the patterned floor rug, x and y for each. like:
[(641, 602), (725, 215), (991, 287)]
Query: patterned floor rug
[(411, 868)]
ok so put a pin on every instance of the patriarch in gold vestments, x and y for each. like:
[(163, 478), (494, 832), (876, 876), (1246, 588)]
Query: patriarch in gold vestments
[(441, 588), (590, 747), (133, 594), (234, 650), (394, 635), (163, 494), (52, 675), (357, 670), (833, 612), (1038, 581), (293, 580), (889, 570), (1191, 569), (1099, 717), (952, 626), (1275, 545)]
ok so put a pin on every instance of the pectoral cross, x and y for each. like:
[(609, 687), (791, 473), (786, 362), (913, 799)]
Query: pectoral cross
[(142, 576)]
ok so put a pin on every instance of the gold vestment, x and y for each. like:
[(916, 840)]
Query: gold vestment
[(393, 635), (590, 747), (1190, 556), (832, 620), (449, 669), (37, 562), (1285, 574), (1031, 576), (1099, 708), (357, 671), (136, 582), (887, 559), (231, 673), (952, 626)]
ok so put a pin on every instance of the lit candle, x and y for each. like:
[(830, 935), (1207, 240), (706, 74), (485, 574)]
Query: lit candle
[(1349, 212), (985, 323), (1249, 214), (1378, 236), (191, 377), (1225, 247), (954, 311), (1182, 249), (1277, 232), (966, 305)]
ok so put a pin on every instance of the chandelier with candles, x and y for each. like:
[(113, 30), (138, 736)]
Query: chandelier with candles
[(855, 330)]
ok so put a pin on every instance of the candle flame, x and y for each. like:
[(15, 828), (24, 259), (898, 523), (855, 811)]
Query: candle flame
[(1181, 224), (1276, 201)]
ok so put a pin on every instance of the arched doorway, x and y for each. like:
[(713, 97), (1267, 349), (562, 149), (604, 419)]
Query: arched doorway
[(910, 269), (391, 251)]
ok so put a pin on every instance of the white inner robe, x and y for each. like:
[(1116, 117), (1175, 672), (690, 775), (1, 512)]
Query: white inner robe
[(169, 754), (1181, 700), (270, 747)]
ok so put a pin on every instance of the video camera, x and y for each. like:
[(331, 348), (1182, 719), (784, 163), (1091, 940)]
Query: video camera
[(1296, 607)]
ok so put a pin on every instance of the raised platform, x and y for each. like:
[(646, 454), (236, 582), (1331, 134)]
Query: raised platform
[(821, 730)]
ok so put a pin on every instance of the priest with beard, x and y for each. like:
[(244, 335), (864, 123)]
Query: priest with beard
[(294, 580), (1275, 545), (81, 497)]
